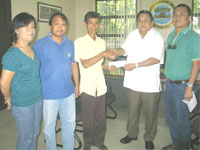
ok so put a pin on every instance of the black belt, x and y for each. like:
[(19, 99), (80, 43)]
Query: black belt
[(177, 81)]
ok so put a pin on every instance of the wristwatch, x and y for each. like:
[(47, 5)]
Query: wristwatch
[(190, 85)]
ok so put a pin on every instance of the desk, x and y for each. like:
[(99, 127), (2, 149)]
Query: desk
[(120, 91)]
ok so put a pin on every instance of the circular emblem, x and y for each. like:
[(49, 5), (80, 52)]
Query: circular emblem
[(162, 12), (69, 55)]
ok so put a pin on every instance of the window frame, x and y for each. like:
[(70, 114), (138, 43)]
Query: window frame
[(119, 71), (195, 14)]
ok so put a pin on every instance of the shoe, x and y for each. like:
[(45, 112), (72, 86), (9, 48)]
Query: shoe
[(127, 139), (149, 145), (169, 147), (102, 147)]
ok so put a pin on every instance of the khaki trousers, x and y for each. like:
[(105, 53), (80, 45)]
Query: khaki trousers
[(94, 120), (149, 102)]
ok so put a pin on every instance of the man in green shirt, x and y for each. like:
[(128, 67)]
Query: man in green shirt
[(181, 70)]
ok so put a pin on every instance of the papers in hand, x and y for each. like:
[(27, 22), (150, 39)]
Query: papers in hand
[(118, 64), (192, 102)]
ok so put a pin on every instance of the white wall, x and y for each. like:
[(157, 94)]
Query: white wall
[(146, 4), (75, 10), (82, 7), (30, 6)]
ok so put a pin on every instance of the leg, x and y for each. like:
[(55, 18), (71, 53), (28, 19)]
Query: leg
[(99, 121), (88, 109), (37, 123), (67, 118), (177, 115), (170, 110), (150, 102), (50, 112), (24, 118), (133, 113)]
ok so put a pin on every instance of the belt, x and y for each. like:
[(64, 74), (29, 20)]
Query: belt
[(177, 81)]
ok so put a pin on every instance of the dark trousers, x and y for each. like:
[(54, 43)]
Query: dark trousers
[(150, 102), (94, 120)]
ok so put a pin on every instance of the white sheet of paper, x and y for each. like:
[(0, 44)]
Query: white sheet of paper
[(192, 103), (117, 64)]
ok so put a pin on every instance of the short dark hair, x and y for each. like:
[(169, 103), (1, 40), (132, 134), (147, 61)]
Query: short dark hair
[(187, 8), (58, 14), (144, 12), (20, 20), (92, 14)]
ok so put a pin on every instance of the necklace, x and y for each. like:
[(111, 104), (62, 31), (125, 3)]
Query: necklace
[(173, 46)]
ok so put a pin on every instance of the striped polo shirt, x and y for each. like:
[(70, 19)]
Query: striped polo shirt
[(25, 85)]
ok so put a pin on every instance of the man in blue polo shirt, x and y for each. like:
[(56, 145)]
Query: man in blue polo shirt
[(56, 54), (181, 69)]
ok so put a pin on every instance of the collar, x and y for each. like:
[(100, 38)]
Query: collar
[(184, 31), (89, 37), (64, 37), (147, 34), (180, 35)]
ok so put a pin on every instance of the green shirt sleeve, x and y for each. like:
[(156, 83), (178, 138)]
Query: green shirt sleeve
[(194, 46), (10, 60)]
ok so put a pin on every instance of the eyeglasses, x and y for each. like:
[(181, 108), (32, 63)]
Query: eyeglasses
[(171, 47), (143, 20)]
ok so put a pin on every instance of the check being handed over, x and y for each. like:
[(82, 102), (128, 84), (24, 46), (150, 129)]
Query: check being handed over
[(118, 64)]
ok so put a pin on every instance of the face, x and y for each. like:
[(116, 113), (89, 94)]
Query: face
[(58, 27), (144, 23), (26, 33), (181, 19), (92, 25)]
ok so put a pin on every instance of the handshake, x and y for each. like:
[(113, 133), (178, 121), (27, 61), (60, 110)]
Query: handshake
[(113, 54), (110, 54)]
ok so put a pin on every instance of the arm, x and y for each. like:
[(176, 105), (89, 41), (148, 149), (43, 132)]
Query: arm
[(148, 62), (75, 75), (117, 52), (111, 68), (145, 63), (120, 51), (5, 83), (91, 61), (193, 77)]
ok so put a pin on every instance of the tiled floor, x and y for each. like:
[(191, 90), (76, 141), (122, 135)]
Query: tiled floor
[(116, 129)]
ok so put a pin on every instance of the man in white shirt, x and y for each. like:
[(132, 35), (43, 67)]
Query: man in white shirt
[(144, 48)]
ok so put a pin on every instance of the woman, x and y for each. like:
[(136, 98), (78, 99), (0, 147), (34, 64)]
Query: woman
[(20, 82)]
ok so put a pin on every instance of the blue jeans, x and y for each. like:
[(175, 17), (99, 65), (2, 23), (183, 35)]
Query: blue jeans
[(177, 115), (66, 109), (28, 121)]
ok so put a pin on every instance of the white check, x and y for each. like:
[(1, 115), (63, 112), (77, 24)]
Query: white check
[(118, 64), (191, 103)]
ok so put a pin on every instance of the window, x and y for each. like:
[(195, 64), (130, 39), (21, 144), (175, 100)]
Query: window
[(196, 16), (117, 20)]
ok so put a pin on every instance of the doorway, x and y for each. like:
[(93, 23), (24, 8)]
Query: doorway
[(5, 36)]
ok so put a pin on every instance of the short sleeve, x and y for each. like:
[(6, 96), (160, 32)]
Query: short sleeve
[(72, 58), (158, 48), (10, 60), (76, 49), (128, 41), (195, 48), (104, 45)]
